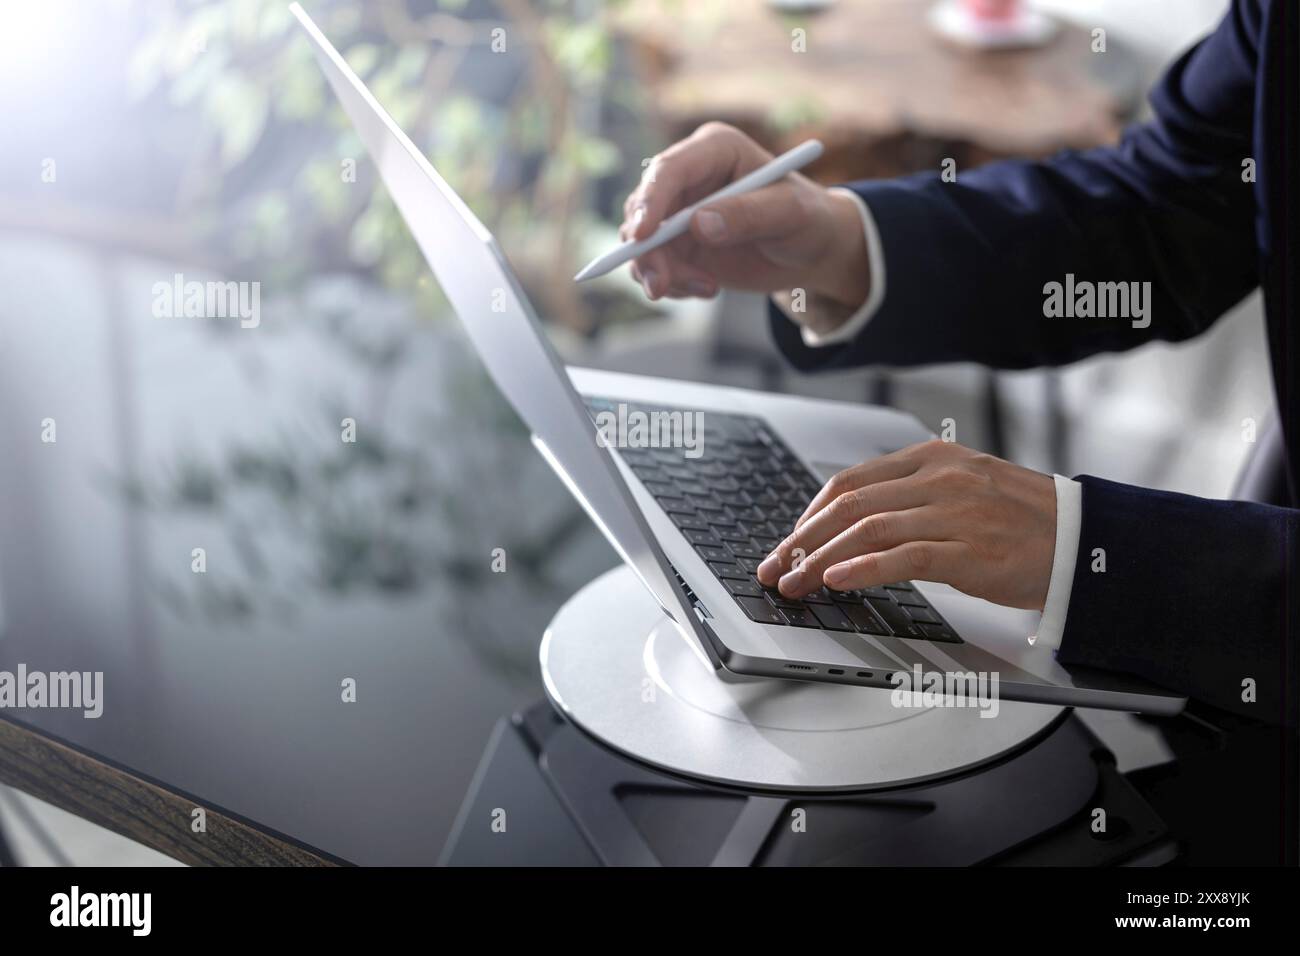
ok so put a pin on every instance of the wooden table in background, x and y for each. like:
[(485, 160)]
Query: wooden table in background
[(884, 92)]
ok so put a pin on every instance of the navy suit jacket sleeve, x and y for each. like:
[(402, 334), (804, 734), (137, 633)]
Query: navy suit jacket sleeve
[(1194, 592), (967, 261)]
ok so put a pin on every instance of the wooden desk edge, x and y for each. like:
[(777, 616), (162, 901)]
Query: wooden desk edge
[(141, 809)]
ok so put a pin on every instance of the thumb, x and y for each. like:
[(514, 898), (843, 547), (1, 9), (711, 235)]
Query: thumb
[(771, 212)]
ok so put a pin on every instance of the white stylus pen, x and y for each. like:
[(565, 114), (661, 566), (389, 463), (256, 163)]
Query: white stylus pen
[(680, 221)]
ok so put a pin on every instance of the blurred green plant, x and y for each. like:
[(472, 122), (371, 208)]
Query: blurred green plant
[(508, 117), (385, 518)]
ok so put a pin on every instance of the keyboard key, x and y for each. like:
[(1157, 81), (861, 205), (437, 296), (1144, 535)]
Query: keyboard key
[(725, 569), (757, 609), (864, 619), (735, 499), (744, 588), (712, 553), (800, 617), (749, 551), (939, 632), (820, 596), (914, 598), (688, 522), (923, 615), (892, 615), (750, 564), (832, 618), (700, 537)]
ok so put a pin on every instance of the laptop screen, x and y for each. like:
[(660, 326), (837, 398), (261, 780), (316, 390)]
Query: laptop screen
[(500, 323)]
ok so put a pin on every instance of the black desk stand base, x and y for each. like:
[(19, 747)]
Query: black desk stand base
[(548, 794)]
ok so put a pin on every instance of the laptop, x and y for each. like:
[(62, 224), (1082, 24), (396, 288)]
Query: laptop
[(693, 517)]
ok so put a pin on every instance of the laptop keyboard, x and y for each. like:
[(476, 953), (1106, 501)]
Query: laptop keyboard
[(737, 501)]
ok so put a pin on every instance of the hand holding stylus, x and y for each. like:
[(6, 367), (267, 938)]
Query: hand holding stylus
[(680, 221), (791, 233)]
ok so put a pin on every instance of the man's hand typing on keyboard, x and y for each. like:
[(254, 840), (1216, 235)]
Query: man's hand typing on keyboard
[(932, 512)]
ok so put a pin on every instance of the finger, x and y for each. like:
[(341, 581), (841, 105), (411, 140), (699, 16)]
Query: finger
[(898, 494), (878, 532), (693, 289), (895, 465), (684, 277), (915, 560), (656, 273), (767, 213), (633, 209), (668, 266), (709, 157), (691, 282)]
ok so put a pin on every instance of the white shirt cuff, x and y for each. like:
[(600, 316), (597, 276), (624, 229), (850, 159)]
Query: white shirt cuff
[(876, 263), (1069, 521)]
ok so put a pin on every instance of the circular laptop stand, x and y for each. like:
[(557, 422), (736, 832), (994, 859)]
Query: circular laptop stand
[(645, 756), (618, 669)]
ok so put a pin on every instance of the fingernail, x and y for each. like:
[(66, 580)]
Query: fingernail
[(768, 568), (712, 225), (836, 575), (790, 582), (638, 213), (648, 282), (699, 287)]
